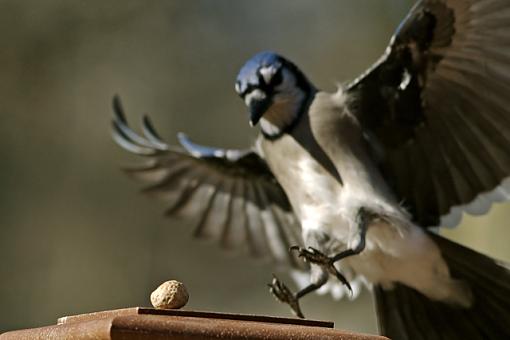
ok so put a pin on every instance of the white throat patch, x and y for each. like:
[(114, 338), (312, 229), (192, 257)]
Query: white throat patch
[(269, 128)]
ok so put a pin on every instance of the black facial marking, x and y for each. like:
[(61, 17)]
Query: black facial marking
[(301, 80), (266, 88), (277, 78), (249, 88)]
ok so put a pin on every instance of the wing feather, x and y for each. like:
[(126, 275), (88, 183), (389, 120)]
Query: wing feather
[(236, 232), (278, 245), (256, 230), (232, 194), (438, 103), (216, 221)]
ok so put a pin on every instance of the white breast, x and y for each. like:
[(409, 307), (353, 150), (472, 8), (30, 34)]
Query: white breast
[(320, 208)]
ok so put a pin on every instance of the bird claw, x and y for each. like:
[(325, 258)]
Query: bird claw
[(284, 295), (313, 255)]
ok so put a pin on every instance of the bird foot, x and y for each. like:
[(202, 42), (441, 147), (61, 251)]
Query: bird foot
[(284, 295), (312, 255)]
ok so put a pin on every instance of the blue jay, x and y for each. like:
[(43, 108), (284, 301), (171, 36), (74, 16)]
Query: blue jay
[(352, 181)]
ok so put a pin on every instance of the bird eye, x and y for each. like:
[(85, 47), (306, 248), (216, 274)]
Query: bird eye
[(277, 78)]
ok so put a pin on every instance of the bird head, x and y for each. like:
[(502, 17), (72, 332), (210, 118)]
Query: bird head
[(274, 90)]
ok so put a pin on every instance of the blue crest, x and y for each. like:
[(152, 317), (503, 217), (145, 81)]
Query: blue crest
[(248, 74)]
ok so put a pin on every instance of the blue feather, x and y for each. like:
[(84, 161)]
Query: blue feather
[(248, 73)]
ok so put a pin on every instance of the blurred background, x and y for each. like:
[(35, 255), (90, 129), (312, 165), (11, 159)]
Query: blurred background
[(75, 236)]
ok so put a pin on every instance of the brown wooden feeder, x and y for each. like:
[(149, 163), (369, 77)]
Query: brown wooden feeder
[(148, 323), (156, 324)]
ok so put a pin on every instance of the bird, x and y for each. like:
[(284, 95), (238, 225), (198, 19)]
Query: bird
[(353, 184)]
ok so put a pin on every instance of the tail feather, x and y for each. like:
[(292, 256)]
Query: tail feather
[(404, 313)]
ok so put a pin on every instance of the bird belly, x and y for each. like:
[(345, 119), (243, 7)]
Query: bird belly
[(396, 250), (317, 201), (409, 256)]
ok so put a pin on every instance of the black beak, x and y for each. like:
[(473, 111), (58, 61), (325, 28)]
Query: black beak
[(257, 109)]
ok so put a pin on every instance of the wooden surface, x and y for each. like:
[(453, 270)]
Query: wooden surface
[(147, 323), (196, 314)]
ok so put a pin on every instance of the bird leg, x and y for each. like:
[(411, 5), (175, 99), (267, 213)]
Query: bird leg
[(312, 255), (363, 219), (324, 262), (284, 295)]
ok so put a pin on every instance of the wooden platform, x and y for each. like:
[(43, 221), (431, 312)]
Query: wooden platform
[(146, 323)]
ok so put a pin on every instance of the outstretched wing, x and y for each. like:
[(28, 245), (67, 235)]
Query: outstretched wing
[(438, 106), (232, 193)]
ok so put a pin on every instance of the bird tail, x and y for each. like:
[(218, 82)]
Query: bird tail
[(404, 313)]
